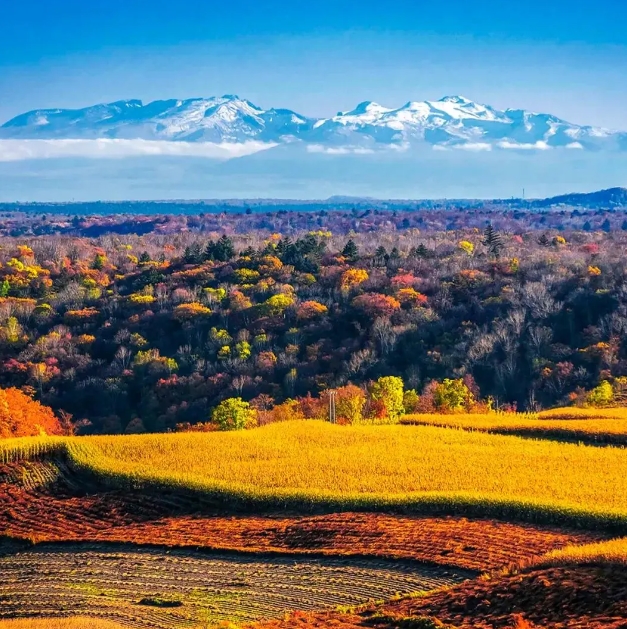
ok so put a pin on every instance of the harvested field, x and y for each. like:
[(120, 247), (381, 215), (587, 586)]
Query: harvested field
[(142, 533), (456, 542), (577, 597), (46, 502), (163, 589)]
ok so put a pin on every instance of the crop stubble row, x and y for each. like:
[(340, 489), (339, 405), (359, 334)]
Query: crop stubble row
[(48, 579)]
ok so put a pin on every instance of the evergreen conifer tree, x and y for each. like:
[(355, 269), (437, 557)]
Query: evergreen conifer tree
[(350, 251), (493, 242)]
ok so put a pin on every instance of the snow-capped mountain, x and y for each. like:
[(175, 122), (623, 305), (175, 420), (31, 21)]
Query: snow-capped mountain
[(452, 122), (455, 121), (219, 119)]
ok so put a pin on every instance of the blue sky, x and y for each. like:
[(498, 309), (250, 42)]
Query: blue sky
[(564, 57)]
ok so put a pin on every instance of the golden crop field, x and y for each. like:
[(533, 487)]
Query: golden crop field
[(601, 425), (374, 467), (573, 412), (415, 468), (613, 551)]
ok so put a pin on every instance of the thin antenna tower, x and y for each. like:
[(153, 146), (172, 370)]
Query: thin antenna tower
[(332, 416)]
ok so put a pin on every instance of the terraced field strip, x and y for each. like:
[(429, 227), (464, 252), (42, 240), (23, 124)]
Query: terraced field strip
[(161, 589), (58, 623), (47, 502), (313, 467), (573, 427)]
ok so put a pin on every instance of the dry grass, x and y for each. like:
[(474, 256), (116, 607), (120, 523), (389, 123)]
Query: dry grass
[(607, 426)]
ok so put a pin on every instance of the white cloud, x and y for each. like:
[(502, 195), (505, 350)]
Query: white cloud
[(357, 150), (537, 146), (574, 145), (468, 146), (16, 150), (473, 146), (338, 150), (400, 148)]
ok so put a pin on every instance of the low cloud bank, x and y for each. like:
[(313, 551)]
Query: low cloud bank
[(541, 145), (468, 146), (357, 150), (105, 148), (17, 150)]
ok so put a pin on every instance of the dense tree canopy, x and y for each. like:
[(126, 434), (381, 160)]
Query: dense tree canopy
[(147, 332)]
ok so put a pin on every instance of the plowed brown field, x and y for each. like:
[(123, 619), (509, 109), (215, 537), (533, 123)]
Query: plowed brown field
[(577, 597)]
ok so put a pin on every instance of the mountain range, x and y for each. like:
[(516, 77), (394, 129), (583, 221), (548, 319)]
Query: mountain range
[(453, 122)]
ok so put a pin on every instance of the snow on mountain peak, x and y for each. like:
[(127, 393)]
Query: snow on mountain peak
[(459, 100), (451, 122), (367, 106)]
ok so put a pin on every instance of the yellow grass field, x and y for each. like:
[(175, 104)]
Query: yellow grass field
[(413, 468), (601, 425)]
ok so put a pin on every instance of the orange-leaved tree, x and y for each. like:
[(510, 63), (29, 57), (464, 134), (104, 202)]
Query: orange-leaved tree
[(21, 416)]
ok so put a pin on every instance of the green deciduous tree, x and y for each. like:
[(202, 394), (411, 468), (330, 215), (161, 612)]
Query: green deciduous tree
[(602, 395), (277, 304), (452, 395), (388, 391), (234, 414)]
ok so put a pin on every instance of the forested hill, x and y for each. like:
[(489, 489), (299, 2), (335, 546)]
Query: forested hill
[(134, 332), (612, 197)]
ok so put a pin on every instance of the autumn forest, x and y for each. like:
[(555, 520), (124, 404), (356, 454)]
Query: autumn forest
[(134, 332)]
